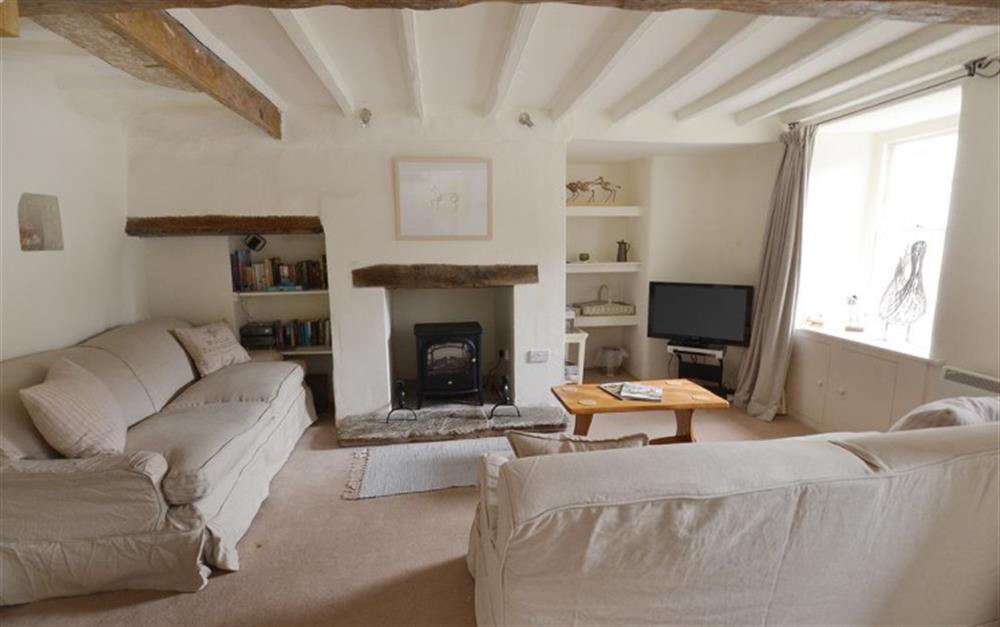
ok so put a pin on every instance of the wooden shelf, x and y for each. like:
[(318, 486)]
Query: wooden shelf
[(606, 321), (596, 267), (176, 226), (279, 293), (307, 350), (603, 211)]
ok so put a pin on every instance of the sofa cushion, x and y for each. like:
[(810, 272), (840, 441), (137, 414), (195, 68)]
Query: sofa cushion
[(153, 354), (212, 347), (75, 412), (529, 444), (274, 382), (202, 444), (951, 412)]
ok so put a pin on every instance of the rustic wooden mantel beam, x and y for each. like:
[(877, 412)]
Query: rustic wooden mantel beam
[(441, 275), (155, 47), (943, 11), (177, 226)]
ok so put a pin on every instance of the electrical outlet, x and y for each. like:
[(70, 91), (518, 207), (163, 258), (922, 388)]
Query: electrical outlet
[(504, 354), (538, 356)]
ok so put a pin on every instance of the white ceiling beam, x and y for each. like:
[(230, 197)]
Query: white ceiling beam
[(517, 40), (811, 44), (204, 34), (615, 42), (720, 35), (923, 73), (303, 35), (849, 71), (411, 58)]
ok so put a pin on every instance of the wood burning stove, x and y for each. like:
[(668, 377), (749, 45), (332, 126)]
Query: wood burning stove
[(448, 355)]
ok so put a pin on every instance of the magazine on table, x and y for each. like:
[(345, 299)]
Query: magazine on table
[(633, 391)]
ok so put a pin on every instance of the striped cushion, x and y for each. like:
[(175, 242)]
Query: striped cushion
[(75, 412)]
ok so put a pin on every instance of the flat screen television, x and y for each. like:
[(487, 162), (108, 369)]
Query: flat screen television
[(700, 314)]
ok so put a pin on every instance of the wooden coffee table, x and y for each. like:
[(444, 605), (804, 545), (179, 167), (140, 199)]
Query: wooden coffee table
[(679, 396)]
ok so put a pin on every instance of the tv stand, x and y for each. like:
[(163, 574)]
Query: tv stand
[(689, 366)]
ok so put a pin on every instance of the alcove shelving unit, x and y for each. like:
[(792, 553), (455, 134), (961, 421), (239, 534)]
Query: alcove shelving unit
[(595, 228), (290, 305)]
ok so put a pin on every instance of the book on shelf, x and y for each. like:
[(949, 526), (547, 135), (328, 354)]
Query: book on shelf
[(274, 275), (633, 391), (286, 334)]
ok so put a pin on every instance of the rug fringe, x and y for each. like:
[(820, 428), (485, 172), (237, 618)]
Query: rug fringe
[(358, 465)]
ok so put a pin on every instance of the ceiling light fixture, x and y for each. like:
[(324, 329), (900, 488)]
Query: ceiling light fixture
[(525, 120), (366, 117)]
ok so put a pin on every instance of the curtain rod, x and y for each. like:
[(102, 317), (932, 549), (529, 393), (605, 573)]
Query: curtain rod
[(975, 67)]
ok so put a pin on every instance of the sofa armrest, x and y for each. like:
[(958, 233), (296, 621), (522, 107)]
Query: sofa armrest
[(82, 498)]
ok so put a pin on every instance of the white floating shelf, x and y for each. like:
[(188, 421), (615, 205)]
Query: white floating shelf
[(594, 267), (308, 350), (279, 293), (603, 211), (606, 321)]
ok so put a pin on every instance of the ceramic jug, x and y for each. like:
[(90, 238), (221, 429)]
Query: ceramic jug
[(623, 248)]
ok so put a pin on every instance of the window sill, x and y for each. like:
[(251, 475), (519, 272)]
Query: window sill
[(869, 341)]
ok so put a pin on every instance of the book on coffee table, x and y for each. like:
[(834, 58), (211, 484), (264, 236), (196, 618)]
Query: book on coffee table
[(633, 391)]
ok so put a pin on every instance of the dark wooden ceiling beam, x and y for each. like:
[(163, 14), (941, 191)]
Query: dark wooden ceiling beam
[(931, 11), (179, 226), (155, 47)]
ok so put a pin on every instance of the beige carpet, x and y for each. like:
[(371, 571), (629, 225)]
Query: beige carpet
[(312, 558)]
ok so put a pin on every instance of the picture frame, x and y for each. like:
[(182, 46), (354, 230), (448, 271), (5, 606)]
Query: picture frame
[(443, 198)]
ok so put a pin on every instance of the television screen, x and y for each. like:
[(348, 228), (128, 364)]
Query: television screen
[(700, 313)]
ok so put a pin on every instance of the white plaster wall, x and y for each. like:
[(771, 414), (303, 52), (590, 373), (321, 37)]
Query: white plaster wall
[(705, 219), (329, 166), (53, 145), (967, 322)]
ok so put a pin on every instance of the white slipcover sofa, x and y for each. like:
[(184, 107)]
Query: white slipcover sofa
[(198, 461), (897, 528)]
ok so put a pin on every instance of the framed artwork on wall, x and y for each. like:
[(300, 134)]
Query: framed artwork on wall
[(443, 198)]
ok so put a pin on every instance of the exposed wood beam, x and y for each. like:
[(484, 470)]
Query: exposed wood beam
[(813, 43), (918, 74), (9, 22), (154, 46), (440, 275), (517, 39), (614, 45), (849, 71), (176, 226), (411, 58), (931, 11), (722, 33), (204, 34), (303, 35)]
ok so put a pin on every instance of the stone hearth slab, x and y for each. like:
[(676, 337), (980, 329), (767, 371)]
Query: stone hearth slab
[(447, 422)]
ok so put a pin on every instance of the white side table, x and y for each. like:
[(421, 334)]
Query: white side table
[(579, 338)]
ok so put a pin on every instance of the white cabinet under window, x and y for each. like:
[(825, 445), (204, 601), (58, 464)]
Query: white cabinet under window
[(835, 384)]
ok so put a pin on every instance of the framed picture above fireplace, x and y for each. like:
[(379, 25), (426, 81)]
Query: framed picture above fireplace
[(443, 198)]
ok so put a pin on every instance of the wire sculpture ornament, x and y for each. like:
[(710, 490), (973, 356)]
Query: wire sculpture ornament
[(904, 300)]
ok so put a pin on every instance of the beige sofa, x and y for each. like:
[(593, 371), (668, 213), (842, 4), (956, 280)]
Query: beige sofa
[(199, 458), (847, 529)]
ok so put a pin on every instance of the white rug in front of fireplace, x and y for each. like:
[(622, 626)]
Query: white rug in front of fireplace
[(418, 467)]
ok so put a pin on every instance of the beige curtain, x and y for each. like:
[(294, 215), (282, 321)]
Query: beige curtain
[(762, 374)]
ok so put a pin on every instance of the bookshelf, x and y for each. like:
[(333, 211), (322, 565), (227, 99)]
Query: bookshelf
[(306, 305)]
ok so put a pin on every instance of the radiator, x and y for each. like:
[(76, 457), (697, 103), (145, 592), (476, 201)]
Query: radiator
[(972, 379)]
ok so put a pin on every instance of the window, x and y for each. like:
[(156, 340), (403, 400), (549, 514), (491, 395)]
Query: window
[(874, 226)]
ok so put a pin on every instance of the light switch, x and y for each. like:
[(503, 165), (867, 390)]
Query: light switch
[(538, 356)]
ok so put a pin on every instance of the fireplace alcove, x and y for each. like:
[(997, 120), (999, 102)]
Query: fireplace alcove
[(419, 294)]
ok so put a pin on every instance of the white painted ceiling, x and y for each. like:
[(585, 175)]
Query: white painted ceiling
[(362, 54)]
